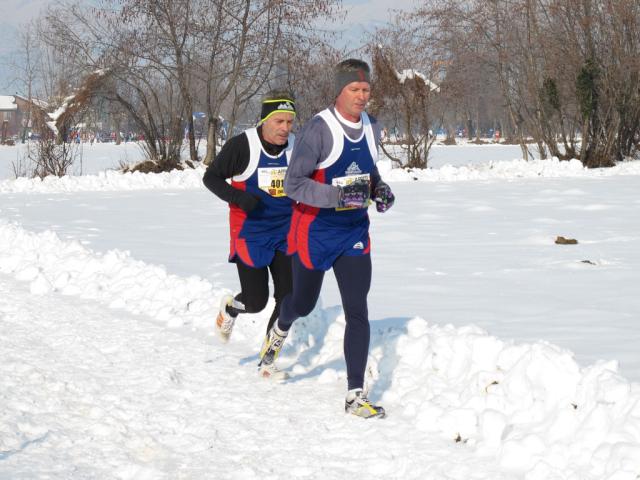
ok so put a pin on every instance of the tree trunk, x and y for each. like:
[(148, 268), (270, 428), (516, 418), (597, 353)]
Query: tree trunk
[(193, 152), (212, 129)]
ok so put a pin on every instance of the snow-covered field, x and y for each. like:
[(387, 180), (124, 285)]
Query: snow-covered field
[(97, 157), (497, 353)]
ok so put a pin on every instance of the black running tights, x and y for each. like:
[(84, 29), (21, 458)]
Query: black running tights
[(353, 274), (254, 284)]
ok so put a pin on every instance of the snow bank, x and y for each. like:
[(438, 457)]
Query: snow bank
[(513, 169), (192, 178), (114, 278), (529, 406), (107, 181)]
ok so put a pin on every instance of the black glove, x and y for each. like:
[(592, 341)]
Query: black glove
[(354, 195), (383, 197), (246, 201)]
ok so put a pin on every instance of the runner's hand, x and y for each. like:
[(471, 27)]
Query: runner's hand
[(383, 197), (247, 202)]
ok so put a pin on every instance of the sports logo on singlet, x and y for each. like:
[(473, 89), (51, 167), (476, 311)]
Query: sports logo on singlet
[(353, 169)]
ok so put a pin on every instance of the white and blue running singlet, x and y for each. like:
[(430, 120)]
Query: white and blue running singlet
[(257, 235), (320, 235)]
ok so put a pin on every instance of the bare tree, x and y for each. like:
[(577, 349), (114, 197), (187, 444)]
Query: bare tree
[(244, 39), (44, 73), (403, 91), (97, 39), (568, 70), (168, 25), (308, 71), (163, 57), (25, 66), (55, 152)]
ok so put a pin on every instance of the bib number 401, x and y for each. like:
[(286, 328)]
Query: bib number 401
[(271, 180)]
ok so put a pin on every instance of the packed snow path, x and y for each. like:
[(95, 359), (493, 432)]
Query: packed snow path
[(91, 392)]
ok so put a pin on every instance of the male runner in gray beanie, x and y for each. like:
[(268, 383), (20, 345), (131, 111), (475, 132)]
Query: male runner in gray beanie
[(332, 175), (351, 70)]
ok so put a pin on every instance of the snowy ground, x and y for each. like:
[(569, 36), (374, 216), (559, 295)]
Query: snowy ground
[(98, 157), (494, 350)]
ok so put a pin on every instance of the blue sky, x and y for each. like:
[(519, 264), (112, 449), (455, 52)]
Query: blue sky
[(372, 11), (360, 15), (363, 15), (15, 14)]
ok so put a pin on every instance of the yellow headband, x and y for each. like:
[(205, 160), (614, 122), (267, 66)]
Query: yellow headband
[(279, 105)]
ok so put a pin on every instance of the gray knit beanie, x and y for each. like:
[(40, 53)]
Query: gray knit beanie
[(350, 70)]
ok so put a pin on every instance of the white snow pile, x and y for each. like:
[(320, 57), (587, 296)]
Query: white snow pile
[(192, 178), (113, 278), (551, 168), (106, 181), (529, 406)]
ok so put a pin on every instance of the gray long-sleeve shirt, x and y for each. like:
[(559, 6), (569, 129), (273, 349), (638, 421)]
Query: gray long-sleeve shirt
[(313, 145)]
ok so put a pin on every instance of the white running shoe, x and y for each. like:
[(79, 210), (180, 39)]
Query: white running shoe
[(270, 350), (272, 372), (224, 320), (359, 405), (272, 345)]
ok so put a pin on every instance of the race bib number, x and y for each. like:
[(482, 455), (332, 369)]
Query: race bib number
[(271, 180), (348, 180)]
